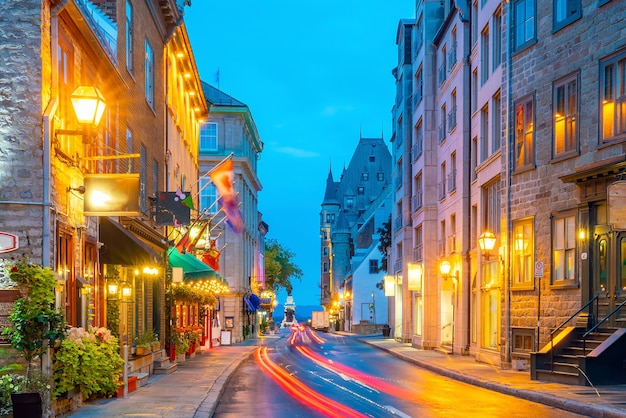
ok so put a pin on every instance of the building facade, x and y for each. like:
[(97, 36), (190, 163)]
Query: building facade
[(502, 147), (230, 131)]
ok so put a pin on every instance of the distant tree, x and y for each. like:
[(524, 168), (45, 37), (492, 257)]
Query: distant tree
[(384, 242), (279, 267)]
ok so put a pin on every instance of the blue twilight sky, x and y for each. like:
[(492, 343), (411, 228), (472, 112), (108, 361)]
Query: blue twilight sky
[(316, 75)]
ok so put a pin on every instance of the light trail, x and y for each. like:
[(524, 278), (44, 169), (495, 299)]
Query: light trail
[(368, 380), (300, 391)]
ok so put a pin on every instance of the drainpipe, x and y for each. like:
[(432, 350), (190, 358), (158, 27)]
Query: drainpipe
[(509, 167)]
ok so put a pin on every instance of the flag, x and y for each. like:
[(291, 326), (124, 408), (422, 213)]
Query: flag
[(211, 257), (183, 242), (223, 178), (233, 215)]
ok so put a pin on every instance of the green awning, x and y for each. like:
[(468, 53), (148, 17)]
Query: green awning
[(193, 268)]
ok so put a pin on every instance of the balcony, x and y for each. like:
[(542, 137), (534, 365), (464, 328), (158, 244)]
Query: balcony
[(452, 181), (441, 187), (417, 202), (397, 224), (442, 132), (416, 150), (452, 119), (442, 74), (418, 253), (451, 59), (397, 266)]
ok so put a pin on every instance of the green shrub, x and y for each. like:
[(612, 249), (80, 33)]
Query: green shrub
[(89, 361)]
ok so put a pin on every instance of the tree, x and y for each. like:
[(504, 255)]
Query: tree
[(279, 267), (384, 242)]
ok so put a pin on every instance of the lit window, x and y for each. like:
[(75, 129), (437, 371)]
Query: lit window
[(565, 102), (563, 248), (613, 97), (524, 133), (522, 257)]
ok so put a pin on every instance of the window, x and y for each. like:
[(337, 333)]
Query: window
[(325, 267), (419, 87), (613, 97), (208, 196), (565, 12), (523, 340), (143, 177), (65, 56), (325, 251), (208, 136), (418, 251), (373, 266), (349, 202), (380, 176), (365, 176), (129, 36), (452, 114), (129, 149), (563, 248), (419, 193), (491, 207), (496, 125), (452, 176), (442, 125), (442, 238), (452, 236), (360, 190), (442, 183), (442, 65), (524, 133), (565, 102), (522, 257), (497, 40), (484, 56), (474, 158), (149, 74), (474, 102), (524, 23), (484, 133)]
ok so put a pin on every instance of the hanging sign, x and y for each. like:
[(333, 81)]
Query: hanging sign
[(8, 242)]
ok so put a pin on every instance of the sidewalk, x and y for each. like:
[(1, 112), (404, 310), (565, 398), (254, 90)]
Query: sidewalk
[(193, 390), (607, 402)]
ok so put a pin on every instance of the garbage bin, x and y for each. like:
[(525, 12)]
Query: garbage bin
[(386, 330)]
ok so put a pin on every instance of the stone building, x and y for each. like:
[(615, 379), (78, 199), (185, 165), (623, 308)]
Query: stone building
[(347, 207), (503, 146), (230, 129), (53, 165)]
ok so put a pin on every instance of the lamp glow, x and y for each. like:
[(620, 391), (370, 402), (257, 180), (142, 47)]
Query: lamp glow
[(487, 241), (89, 104), (444, 268)]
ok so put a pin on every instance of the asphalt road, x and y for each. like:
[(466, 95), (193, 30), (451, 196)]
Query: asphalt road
[(316, 375)]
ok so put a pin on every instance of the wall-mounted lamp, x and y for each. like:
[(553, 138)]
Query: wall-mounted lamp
[(89, 105), (487, 242), (113, 288), (127, 290), (445, 267)]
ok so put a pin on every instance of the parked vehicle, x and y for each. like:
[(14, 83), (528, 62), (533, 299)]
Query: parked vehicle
[(320, 320)]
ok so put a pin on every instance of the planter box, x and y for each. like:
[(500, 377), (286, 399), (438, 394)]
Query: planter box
[(132, 385)]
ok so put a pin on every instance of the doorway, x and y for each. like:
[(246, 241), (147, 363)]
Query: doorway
[(609, 273)]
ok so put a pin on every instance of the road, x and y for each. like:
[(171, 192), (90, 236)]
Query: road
[(317, 374)]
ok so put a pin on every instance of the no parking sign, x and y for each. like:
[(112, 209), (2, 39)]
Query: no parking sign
[(538, 268)]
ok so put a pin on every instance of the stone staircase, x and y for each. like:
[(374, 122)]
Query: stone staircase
[(571, 360), (161, 363)]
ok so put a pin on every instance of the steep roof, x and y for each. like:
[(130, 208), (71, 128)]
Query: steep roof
[(219, 98), (330, 195)]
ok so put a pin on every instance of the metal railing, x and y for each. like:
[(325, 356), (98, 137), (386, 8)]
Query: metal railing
[(591, 301), (597, 325)]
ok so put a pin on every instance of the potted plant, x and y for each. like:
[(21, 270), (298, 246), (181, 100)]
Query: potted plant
[(156, 344), (144, 343), (36, 325)]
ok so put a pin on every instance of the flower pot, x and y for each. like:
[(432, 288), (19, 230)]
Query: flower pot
[(171, 352), (140, 351), (26, 405)]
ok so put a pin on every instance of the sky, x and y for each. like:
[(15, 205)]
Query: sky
[(316, 76)]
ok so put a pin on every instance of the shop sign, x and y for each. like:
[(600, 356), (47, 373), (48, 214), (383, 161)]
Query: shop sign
[(8, 242)]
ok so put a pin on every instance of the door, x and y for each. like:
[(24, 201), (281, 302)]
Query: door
[(610, 274)]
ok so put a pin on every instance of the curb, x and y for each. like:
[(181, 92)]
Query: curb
[(209, 404), (529, 395)]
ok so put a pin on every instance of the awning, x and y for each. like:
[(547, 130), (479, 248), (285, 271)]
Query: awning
[(122, 247), (193, 269), (248, 304)]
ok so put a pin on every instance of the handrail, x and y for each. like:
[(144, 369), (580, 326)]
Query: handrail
[(562, 325), (610, 314)]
